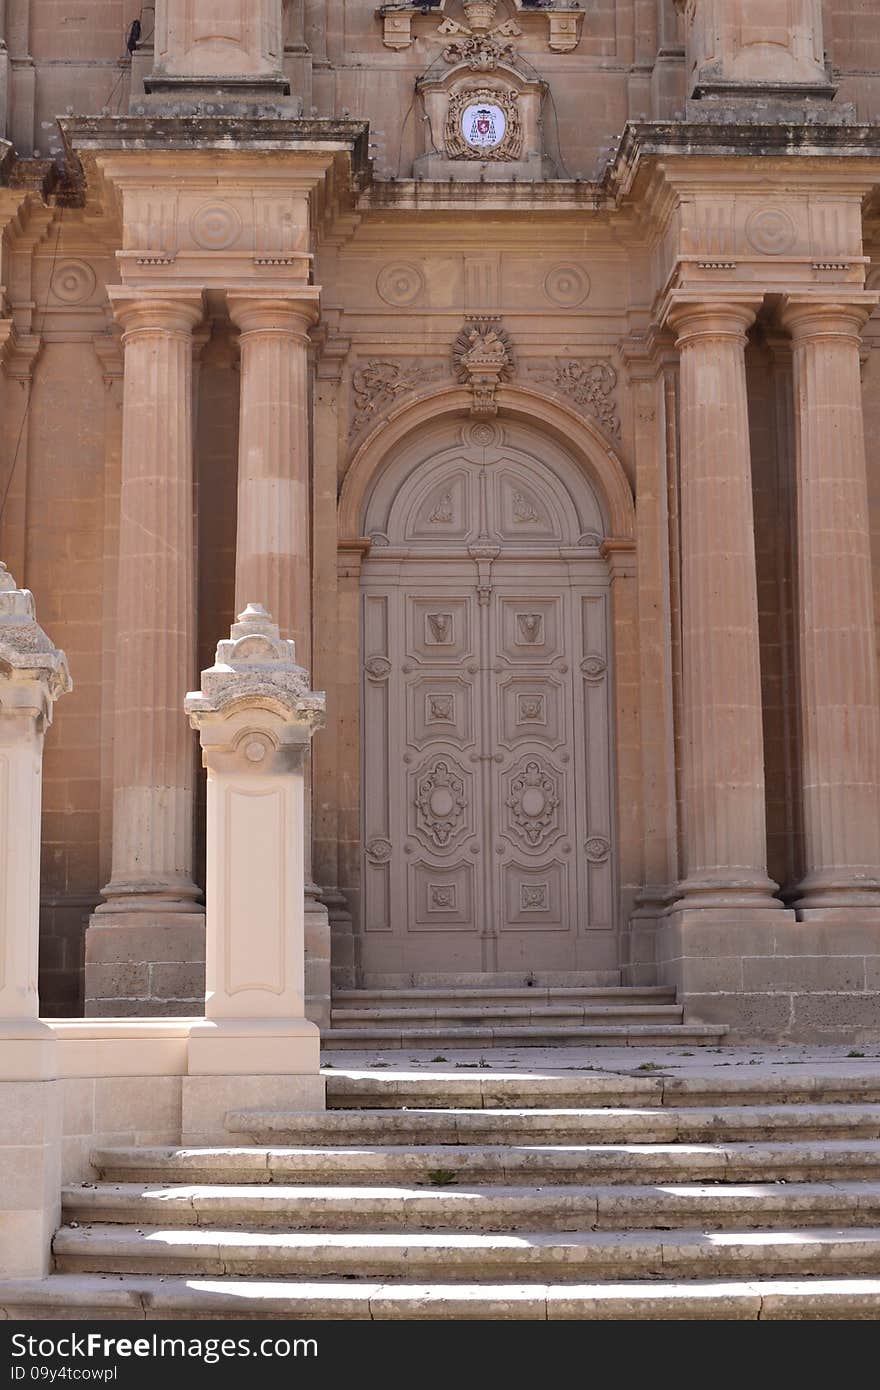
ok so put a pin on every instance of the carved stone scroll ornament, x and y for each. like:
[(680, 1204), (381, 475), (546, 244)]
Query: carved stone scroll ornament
[(481, 52), (378, 383), (482, 357), (489, 99), (591, 385)]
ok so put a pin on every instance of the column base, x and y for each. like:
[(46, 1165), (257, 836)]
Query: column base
[(709, 891), (772, 978), (145, 965), (844, 890)]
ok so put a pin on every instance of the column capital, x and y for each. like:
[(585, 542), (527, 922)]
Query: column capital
[(728, 316), (807, 317), (157, 310), (275, 311)]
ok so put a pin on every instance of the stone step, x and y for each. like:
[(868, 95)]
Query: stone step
[(510, 1164), (498, 979), (539, 1035), (381, 1209), (396, 1089), (530, 995), (560, 1257), (130, 1297), (558, 1126), (489, 1014)]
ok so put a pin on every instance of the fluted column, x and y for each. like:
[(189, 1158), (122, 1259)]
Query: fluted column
[(724, 825), (840, 718), (273, 539), (272, 542), (153, 755)]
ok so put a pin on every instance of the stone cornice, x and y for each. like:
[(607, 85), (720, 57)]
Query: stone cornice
[(234, 135)]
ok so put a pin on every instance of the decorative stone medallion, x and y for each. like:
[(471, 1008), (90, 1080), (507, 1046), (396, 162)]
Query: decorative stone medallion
[(215, 227), (73, 282), (567, 286), (483, 124), (771, 232), (400, 284)]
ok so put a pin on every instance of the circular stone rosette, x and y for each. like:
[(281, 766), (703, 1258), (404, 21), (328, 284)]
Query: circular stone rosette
[(567, 286), (771, 232), (400, 284), (215, 227), (73, 282)]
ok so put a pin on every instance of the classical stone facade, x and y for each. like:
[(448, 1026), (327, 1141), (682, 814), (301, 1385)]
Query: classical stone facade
[(520, 361)]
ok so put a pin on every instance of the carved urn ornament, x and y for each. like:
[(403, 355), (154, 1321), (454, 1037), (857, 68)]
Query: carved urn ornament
[(480, 14), (482, 357)]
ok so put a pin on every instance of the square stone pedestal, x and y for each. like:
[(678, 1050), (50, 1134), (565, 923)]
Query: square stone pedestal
[(773, 978), (247, 1065)]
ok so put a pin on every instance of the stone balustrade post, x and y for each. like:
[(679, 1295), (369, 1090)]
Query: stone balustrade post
[(839, 696), (256, 716), (33, 674), (724, 819)]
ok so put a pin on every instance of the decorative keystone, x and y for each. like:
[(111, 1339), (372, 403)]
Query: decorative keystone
[(257, 666), (26, 652)]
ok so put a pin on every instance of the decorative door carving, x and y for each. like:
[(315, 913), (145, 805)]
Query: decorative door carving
[(487, 807)]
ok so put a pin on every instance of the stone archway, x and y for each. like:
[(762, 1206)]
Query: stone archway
[(488, 824)]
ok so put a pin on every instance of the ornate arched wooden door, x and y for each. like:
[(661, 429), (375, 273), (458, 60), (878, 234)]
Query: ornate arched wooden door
[(488, 823)]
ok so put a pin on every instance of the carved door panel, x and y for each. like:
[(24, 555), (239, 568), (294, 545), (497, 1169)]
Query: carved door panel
[(423, 804), (551, 781)]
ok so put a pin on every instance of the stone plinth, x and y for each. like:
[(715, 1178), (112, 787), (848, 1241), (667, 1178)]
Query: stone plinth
[(203, 49), (33, 674), (755, 47), (771, 978), (256, 716)]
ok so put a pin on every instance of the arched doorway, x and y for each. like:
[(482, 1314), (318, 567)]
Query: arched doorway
[(487, 804)]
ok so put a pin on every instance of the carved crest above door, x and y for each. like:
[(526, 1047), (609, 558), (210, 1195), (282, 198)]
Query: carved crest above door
[(482, 104)]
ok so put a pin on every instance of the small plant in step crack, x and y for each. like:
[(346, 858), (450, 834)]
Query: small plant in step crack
[(647, 1066), (442, 1177), (439, 1058), (855, 1054)]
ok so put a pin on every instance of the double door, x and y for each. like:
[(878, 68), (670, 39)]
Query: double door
[(487, 810)]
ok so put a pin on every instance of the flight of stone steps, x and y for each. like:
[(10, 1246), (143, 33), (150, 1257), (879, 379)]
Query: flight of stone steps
[(450, 1194), (587, 1009)]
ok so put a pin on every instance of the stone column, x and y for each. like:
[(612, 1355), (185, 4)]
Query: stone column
[(273, 540), (32, 676), (724, 834), (256, 716), (840, 716), (151, 882)]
